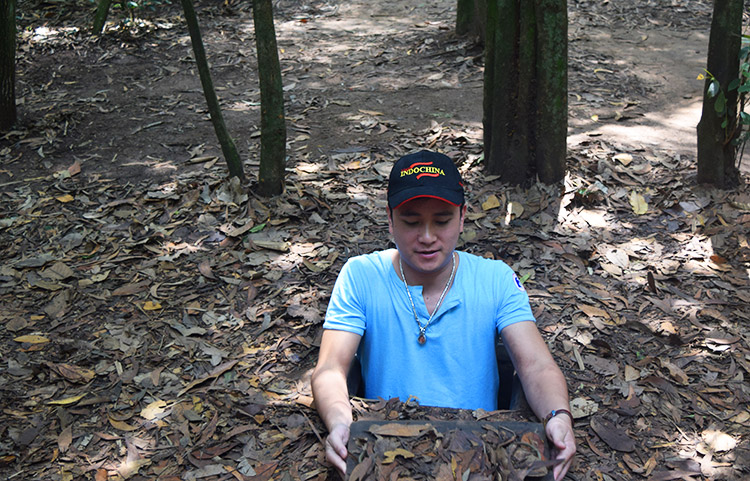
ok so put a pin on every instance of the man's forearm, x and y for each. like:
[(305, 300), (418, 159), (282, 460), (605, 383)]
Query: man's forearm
[(331, 398), (546, 390), (332, 402)]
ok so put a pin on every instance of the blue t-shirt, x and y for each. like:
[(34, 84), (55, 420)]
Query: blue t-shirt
[(457, 366)]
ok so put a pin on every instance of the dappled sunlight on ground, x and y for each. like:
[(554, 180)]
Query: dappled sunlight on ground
[(675, 128)]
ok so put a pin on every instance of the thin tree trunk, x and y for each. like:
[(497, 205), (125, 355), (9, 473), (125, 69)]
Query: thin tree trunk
[(716, 148), (227, 145), (552, 90), (464, 16), (7, 64), (100, 17), (471, 19), (272, 121)]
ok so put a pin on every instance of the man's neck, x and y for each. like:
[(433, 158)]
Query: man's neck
[(433, 283)]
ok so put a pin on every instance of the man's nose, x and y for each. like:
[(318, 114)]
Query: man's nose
[(427, 234)]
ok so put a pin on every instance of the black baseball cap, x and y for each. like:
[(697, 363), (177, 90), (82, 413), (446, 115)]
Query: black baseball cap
[(425, 174)]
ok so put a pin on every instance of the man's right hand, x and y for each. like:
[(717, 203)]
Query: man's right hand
[(336, 448), (331, 395)]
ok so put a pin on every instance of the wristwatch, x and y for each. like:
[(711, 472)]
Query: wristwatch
[(554, 413)]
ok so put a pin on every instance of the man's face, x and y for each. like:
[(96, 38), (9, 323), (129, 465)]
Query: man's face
[(426, 231)]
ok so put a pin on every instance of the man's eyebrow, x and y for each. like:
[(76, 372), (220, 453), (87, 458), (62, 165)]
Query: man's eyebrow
[(407, 211), (444, 213)]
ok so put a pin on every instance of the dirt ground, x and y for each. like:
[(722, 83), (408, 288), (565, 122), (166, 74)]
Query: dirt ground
[(160, 322), (130, 103)]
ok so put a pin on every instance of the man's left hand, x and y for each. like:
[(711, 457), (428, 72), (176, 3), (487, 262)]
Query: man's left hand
[(560, 433)]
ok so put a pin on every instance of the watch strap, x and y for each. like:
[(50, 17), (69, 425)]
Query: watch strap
[(554, 413)]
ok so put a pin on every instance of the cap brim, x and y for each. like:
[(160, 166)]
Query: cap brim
[(449, 196)]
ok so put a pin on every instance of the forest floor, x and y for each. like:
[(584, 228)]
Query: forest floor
[(160, 322)]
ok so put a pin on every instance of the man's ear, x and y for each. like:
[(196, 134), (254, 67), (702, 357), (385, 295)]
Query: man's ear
[(390, 220), (463, 217)]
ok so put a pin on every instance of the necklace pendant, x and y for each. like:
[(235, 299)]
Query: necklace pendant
[(421, 339)]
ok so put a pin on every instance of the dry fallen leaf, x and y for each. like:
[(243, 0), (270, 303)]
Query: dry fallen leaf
[(624, 159), (65, 438), (205, 269), (593, 311), (614, 436), (638, 203), (31, 339), (16, 324), (618, 257), (515, 210), (631, 373), (217, 371), (674, 371), (581, 407), (399, 429), (717, 440), (491, 203), (390, 456), (131, 289), (361, 470), (72, 372), (121, 425), (67, 400), (153, 410), (75, 168), (151, 306)]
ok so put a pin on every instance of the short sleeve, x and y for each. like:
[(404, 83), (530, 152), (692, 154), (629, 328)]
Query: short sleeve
[(346, 310), (515, 305)]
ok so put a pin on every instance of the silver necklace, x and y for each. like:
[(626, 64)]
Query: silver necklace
[(423, 328)]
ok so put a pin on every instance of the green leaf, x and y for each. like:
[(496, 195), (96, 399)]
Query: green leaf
[(745, 118), (721, 103), (734, 84), (713, 89), (744, 88), (725, 123), (258, 228)]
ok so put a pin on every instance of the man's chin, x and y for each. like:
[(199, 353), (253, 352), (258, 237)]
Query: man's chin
[(429, 264)]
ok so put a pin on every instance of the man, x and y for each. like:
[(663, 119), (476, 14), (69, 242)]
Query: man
[(423, 318)]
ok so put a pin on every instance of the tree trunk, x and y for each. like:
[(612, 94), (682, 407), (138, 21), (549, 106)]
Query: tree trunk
[(521, 153), (500, 82), (525, 90), (7, 64), (464, 16), (552, 90), (471, 18), (717, 150), (227, 145), (272, 122), (100, 17)]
